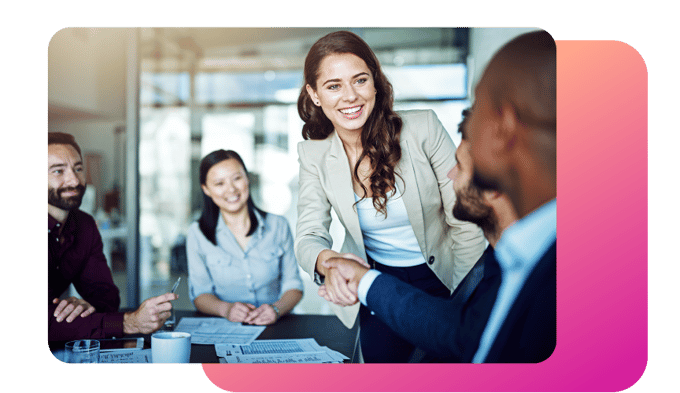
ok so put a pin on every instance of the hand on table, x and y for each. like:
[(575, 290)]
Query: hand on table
[(342, 280), (238, 312), (70, 308), (263, 315), (150, 316)]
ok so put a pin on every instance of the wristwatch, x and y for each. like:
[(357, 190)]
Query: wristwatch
[(276, 310), (318, 279)]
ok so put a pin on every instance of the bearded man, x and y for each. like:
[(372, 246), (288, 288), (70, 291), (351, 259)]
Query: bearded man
[(75, 256)]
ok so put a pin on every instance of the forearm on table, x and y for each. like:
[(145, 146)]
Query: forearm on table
[(208, 303), (288, 301), (97, 325)]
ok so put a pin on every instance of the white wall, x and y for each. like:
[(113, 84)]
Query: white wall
[(96, 137), (86, 70), (87, 80)]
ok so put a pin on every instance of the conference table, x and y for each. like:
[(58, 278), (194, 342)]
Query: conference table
[(327, 330)]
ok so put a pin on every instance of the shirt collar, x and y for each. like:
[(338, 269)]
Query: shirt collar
[(222, 226), (52, 222), (523, 244)]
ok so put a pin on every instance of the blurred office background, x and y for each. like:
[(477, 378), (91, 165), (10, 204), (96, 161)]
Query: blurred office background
[(147, 104)]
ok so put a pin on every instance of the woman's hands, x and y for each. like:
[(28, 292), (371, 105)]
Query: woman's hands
[(248, 313), (238, 312), (263, 315), (242, 312), (337, 288)]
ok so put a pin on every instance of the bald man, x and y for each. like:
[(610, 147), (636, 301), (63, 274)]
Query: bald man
[(513, 144)]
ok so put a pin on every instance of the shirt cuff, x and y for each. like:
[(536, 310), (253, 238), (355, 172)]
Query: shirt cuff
[(365, 285), (112, 324), (292, 284)]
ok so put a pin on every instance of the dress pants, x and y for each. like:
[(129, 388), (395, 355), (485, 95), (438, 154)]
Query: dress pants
[(379, 344)]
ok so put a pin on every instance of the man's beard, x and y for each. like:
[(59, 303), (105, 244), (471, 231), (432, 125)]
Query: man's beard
[(470, 207), (55, 199), (482, 183)]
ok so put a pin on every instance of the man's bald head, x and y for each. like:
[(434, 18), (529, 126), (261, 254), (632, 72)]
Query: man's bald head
[(522, 74), (512, 129)]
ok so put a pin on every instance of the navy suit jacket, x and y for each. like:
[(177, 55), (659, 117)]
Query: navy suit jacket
[(450, 329)]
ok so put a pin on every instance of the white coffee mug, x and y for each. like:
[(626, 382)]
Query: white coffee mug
[(170, 347)]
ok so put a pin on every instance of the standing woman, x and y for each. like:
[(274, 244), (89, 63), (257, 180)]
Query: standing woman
[(241, 261), (385, 175)]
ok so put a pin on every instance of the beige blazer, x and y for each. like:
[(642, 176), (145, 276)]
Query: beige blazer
[(450, 247)]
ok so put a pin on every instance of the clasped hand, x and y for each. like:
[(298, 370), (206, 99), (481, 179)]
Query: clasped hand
[(248, 313), (343, 275)]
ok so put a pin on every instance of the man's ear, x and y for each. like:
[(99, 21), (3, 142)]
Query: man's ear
[(509, 126), (490, 195)]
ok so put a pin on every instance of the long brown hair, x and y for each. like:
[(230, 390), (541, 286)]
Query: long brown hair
[(380, 134)]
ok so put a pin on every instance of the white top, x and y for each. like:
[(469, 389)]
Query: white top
[(389, 240)]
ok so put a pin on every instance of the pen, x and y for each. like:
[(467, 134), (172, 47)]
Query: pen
[(174, 287)]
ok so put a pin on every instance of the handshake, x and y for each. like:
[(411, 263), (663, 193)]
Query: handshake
[(343, 273)]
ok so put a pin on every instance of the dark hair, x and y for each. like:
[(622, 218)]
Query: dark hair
[(463, 123), (211, 212), (380, 135), (62, 138)]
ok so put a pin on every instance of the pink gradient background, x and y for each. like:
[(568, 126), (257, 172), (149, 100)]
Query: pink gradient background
[(602, 254)]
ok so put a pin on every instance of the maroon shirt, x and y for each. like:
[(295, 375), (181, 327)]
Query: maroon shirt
[(80, 260)]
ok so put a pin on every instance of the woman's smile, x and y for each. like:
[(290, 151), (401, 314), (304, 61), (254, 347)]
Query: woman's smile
[(345, 91)]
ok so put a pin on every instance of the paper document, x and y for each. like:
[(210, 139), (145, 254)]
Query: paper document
[(126, 356), (278, 351), (309, 357), (218, 331)]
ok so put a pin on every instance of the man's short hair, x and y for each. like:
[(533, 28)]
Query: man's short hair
[(62, 138), (463, 123)]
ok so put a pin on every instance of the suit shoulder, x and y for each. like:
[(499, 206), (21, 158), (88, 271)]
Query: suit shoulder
[(314, 146), (417, 124), (83, 220), (416, 115), (309, 143), (83, 216)]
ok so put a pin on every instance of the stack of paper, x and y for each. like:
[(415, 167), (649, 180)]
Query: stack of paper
[(278, 351), (125, 356), (218, 331)]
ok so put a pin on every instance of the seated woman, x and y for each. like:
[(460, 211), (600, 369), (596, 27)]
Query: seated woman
[(241, 261)]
